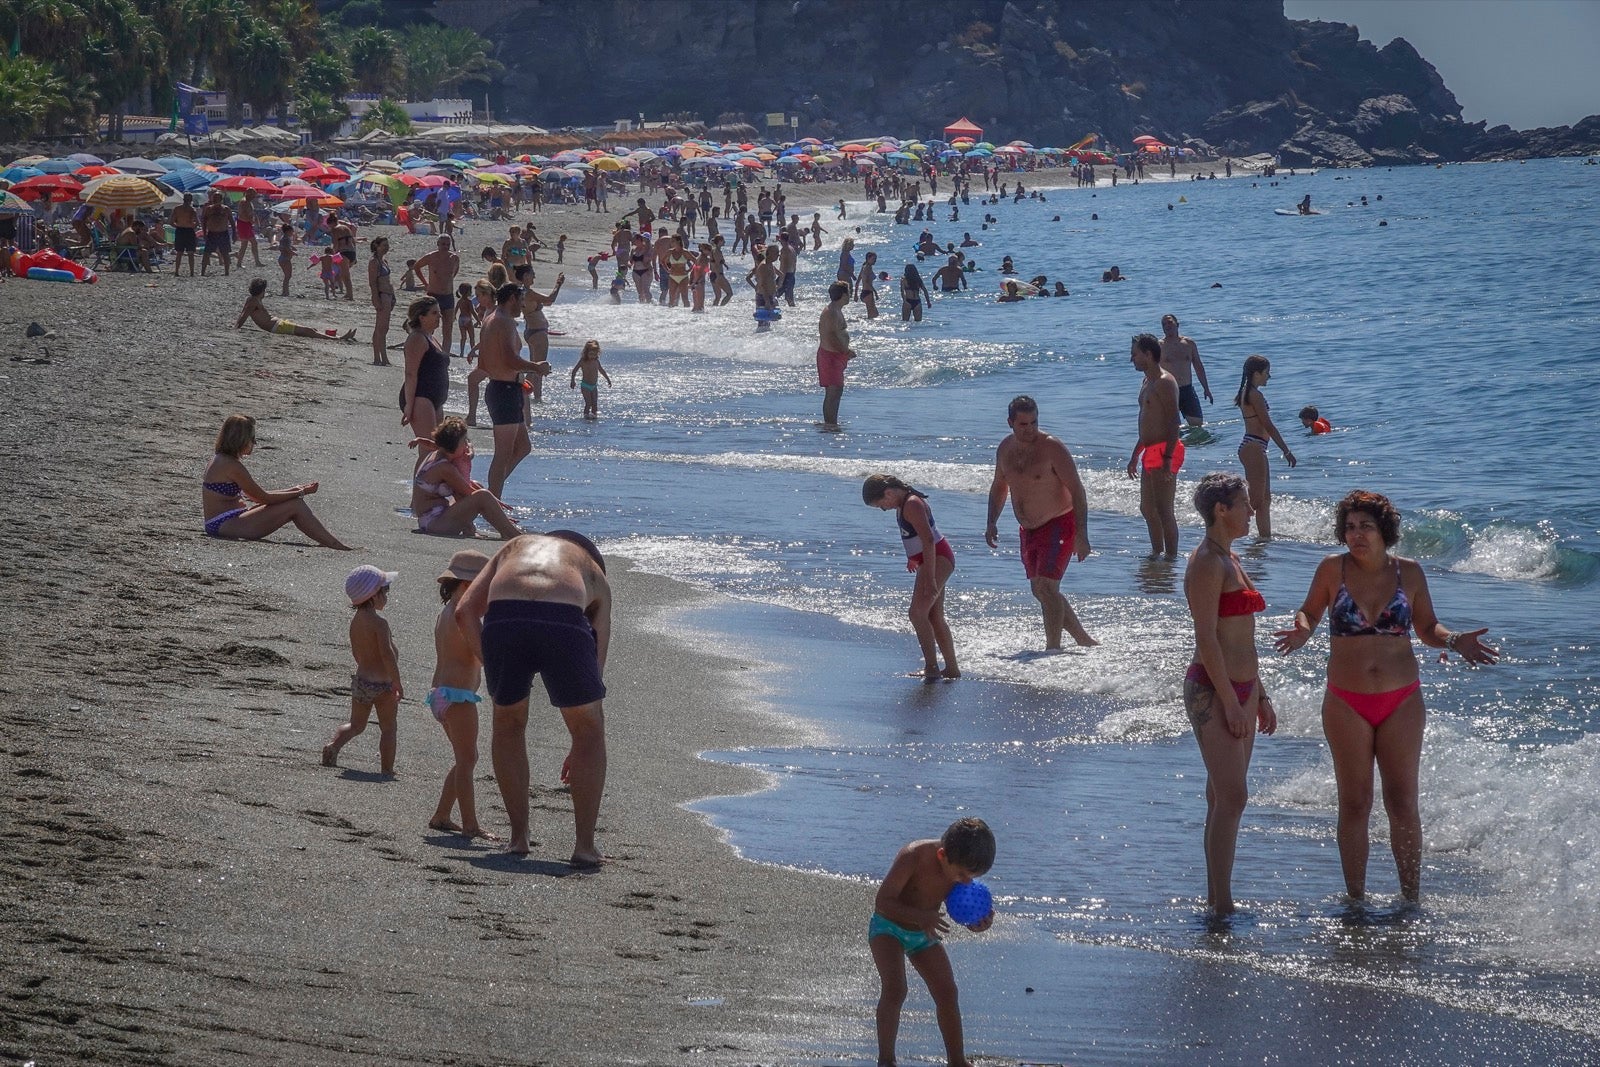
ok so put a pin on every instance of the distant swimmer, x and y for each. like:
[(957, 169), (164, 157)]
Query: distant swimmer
[(1305, 205), (1311, 420), (1052, 512), (1061, 290), (1181, 356), (1113, 275), (968, 242), (1007, 267), (1010, 293)]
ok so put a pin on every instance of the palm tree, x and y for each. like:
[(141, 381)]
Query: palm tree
[(386, 115), (376, 59), (121, 49), (440, 58), (35, 97), (262, 69), (322, 113), (50, 27), (324, 72)]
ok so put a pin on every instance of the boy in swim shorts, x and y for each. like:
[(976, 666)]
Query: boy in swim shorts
[(906, 923), (376, 682)]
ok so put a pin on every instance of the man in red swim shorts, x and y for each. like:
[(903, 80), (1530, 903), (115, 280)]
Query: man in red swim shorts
[(1047, 497), (1158, 453), (833, 352)]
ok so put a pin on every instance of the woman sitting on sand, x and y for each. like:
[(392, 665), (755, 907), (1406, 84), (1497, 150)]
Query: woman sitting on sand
[(1372, 709), (227, 491), (1222, 691), (427, 382), (444, 498), (256, 312)]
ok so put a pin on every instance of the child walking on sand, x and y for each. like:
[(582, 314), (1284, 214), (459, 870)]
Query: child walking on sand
[(922, 541), (376, 682), (589, 364), (454, 699), (330, 275), (906, 924), (467, 320)]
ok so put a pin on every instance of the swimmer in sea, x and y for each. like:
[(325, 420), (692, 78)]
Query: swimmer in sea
[(256, 312), (950, 277), (1010, 293), (1311, 420)]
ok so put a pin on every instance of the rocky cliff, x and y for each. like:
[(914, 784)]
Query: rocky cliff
[(1237, 75)]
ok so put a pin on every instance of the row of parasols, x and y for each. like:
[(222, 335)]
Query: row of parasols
[(137, 182)]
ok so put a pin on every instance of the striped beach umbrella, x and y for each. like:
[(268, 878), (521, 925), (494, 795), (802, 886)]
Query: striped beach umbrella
[(12, 204), (124, 191)]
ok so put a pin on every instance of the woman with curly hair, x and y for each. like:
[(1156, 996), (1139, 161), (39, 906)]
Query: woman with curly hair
[(1372, 711)]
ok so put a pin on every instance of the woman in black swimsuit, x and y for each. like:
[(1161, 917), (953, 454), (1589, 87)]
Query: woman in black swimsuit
[(427, 383)]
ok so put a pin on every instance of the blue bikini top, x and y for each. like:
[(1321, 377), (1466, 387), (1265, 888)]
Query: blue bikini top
[(1346, 619)]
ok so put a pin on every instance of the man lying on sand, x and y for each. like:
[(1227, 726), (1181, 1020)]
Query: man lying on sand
[(256, 312)]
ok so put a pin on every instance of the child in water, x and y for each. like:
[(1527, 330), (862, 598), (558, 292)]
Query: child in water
[(1314, 422), (376, 683), (921, 539), (561, 247), (906, 923), (589, 364), (454, 699)]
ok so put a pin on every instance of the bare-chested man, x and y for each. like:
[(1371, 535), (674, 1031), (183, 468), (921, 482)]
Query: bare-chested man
[(1047, 498), (500, 358), (1158, 453), (1181, 358), (216, 218), (764, 277), (950, 277), (437, 273), (543, 606), (833, 352), (185, 226)]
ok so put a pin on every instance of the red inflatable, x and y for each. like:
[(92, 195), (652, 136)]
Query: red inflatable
[(21, 262)]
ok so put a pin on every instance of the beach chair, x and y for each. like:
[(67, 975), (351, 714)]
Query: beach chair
[(113, 256)]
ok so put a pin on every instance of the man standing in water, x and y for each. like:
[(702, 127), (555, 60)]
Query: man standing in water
[(500, 359), (1047, 498), (1181, 358), (1158, 453), (437, 272), (543, 606), (833, 352)]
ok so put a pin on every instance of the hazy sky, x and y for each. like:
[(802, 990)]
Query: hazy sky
[(1523, 62)]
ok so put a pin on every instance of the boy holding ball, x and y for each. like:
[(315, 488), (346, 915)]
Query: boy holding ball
[(906, 922)]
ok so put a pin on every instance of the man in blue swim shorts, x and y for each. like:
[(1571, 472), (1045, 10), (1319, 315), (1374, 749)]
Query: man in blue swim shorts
[(543, 606)]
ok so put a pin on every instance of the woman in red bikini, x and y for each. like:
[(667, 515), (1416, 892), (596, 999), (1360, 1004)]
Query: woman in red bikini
[(1372, 711), (1222, 690)]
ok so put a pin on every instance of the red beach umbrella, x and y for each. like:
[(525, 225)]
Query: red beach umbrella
[(322, 172), (297, 191), (57, 187), (244, 184)]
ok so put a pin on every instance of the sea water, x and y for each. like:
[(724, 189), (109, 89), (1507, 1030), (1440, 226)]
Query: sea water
[(1452, 349)]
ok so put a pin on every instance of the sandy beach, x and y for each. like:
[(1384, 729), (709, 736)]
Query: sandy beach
[(185, 884)]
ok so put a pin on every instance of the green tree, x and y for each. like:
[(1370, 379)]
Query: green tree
[(440, 59), (122, 47), (325, 73), (49, 27), (376, 59), (35, 98), (261, 70), (321, 113), (386, 115)]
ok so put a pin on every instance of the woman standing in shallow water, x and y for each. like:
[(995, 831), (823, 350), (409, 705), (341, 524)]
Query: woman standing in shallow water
[(1253, 449), (1226, 713), (1372, 710)]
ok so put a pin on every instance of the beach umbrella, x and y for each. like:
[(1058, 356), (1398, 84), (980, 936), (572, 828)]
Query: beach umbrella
[(324, 173), (979, 153), (189, 180), (58, 187), (491, 179), (56, 166), (753, 164), (613, 163), (83, 174), (451, 164), (296, 190), (11, 204), (418, 162), (17, 174), (240, 157), (124, 191), (27, 161), (351, 165), (1018, 144), (87, 159), (553, 174), (385, 165), (171, 163), (138, 165), (244, 183), (323, 198), (253, 167), (1145, 138)]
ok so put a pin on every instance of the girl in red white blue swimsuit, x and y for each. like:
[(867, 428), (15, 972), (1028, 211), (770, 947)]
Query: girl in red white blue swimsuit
[(1372, 711), (923, 543)]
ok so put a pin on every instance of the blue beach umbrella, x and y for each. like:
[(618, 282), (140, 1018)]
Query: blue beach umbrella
[(86, 159), (18, 174), (58, 166), (250, 169), (418, 162), (172, 163), (463, 157), (190, 179)]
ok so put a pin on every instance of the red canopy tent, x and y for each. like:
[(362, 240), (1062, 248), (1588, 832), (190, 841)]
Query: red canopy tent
[(963, 127)]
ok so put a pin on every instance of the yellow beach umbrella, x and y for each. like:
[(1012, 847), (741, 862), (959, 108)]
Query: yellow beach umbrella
[(124, 191), (492, 179), (610, 163)]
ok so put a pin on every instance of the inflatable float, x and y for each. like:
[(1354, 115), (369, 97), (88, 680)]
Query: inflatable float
[(1295, 212), (50, 266), (767, 315)]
